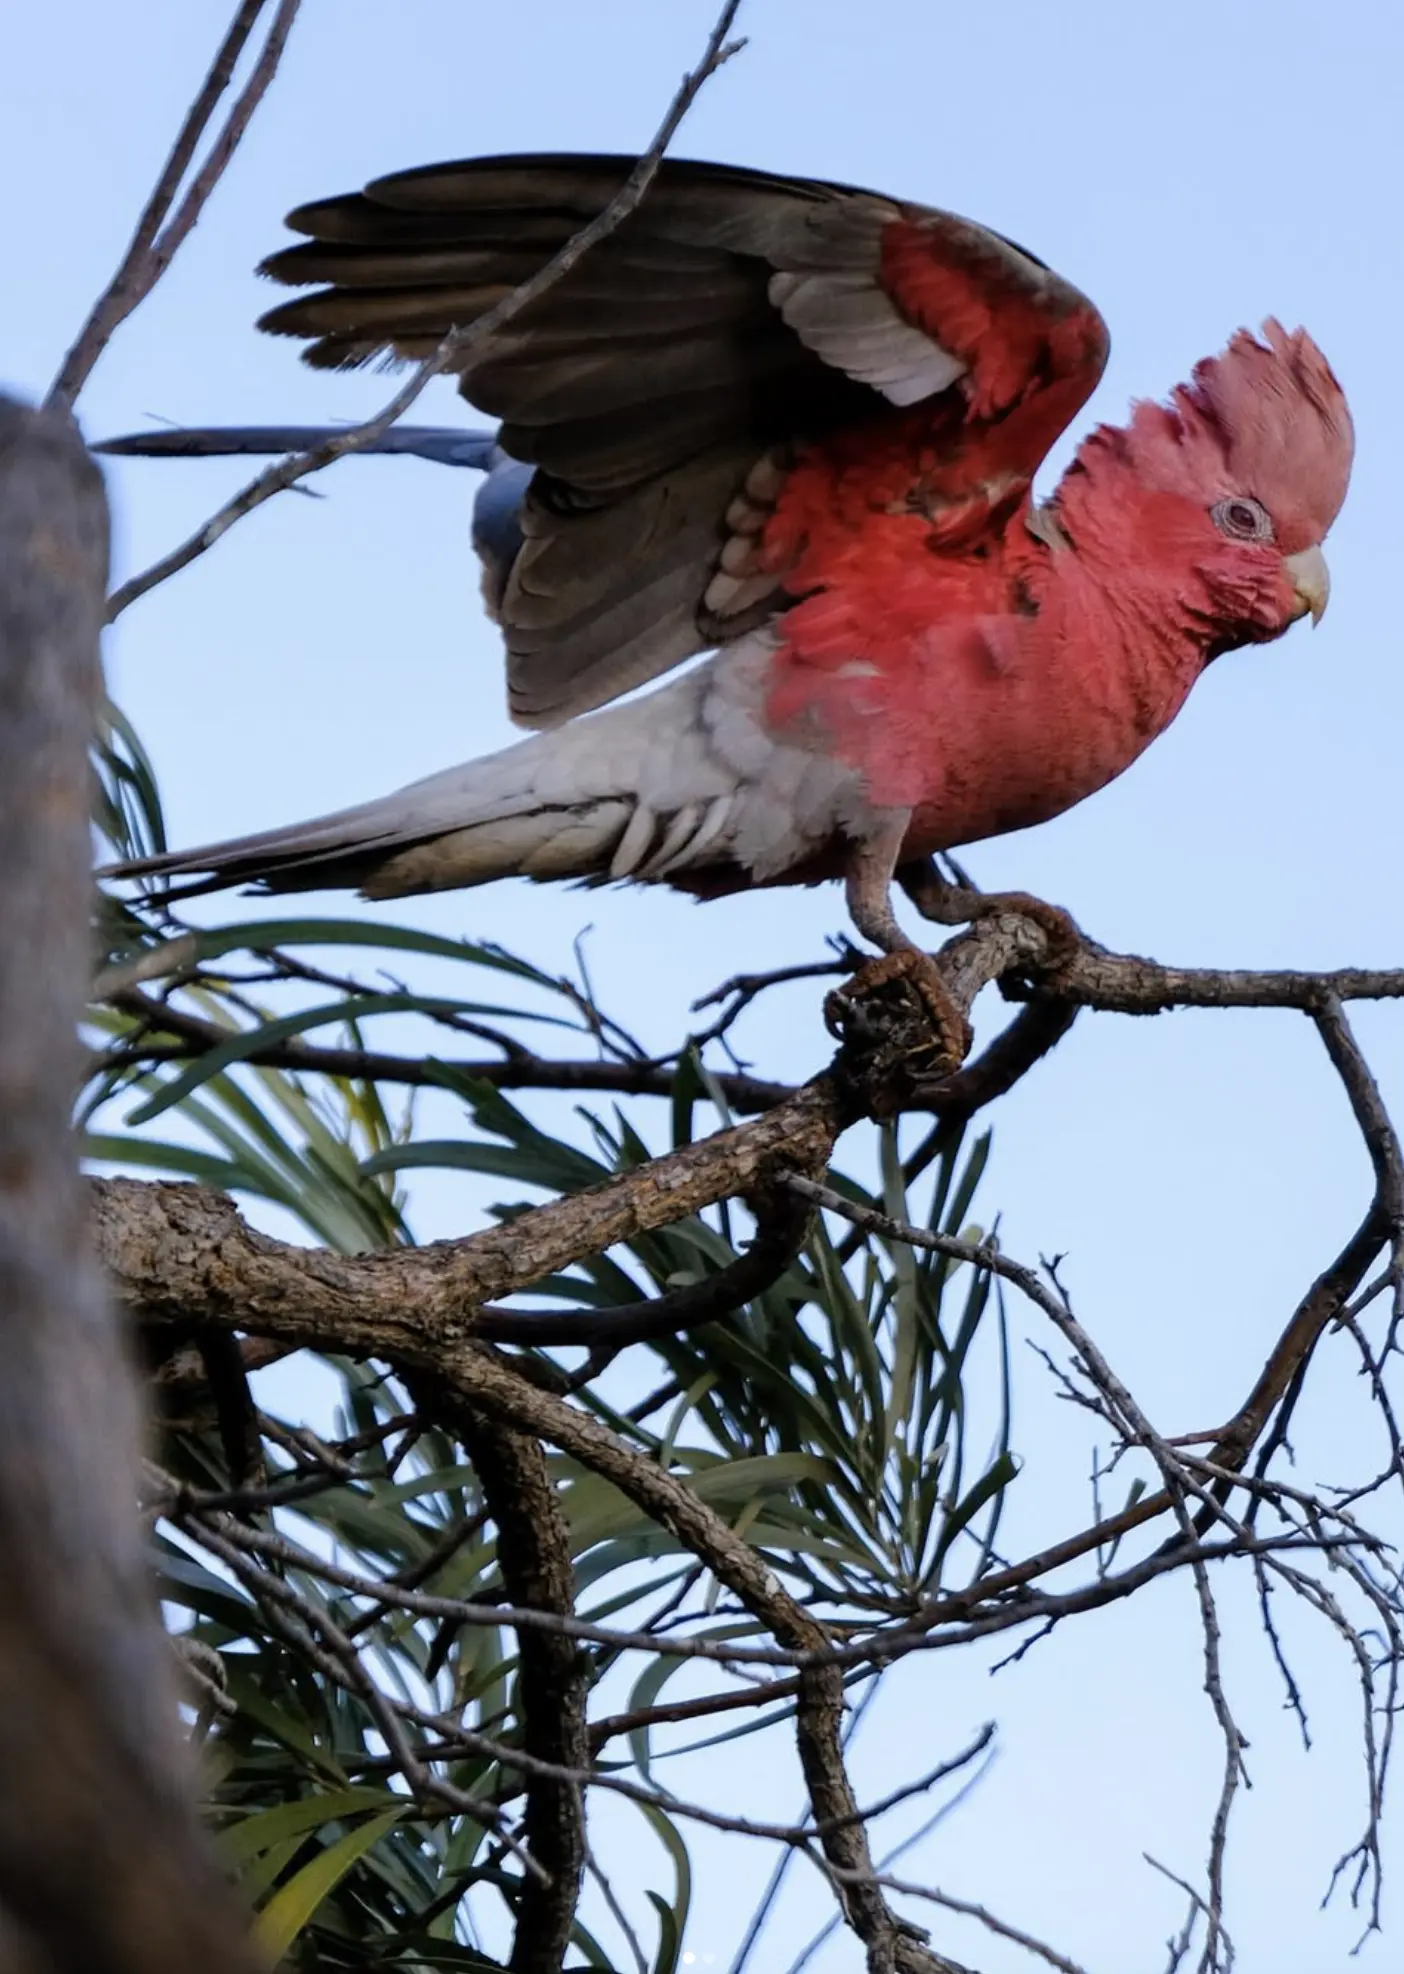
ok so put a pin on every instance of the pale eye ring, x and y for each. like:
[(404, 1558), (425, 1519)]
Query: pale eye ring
[(1242, 518)]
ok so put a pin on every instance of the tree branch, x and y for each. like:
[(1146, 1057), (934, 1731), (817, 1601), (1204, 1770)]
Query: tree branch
[(152, 249), (527, 1071), (1011, 949), (181, 1253), (780, 1233), (494, 1389), (534, 1561), (423, 1310)]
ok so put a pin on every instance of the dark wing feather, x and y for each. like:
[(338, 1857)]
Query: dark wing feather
[(731, 317)]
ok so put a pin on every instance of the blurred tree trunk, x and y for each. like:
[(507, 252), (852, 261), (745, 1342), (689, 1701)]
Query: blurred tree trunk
[(102, 1867)]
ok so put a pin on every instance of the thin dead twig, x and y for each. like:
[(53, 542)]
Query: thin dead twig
[(176, 1502), (1034, 1031), (313, 1631), (969, 1910), (763, 1694), (459, 1741), (819, 1705), (1180, 1945), (156, 241), (524, 1071)]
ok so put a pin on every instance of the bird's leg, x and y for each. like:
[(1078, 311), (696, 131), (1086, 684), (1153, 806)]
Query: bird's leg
[(868, 887), (868, 892), (945, 903)]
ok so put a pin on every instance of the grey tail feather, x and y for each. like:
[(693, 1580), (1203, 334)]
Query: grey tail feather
[(326, 870), (331, 852), (463, 827), (446, 445)]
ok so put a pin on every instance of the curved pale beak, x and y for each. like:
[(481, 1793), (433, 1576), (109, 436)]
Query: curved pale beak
[(1311, 579)]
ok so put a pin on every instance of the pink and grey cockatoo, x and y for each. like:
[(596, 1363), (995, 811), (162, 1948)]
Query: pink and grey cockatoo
[(796, 423)]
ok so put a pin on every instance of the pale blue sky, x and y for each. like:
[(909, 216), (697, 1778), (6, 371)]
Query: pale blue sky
[(1193, 167)]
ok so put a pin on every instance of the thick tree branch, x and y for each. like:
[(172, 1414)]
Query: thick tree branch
[(1033, 1033), (1021, 943), (94, 1778), (181, 1253)]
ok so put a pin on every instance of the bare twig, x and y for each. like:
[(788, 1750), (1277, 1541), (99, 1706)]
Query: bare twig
[(1027, 1039), (156, 240), (517, 1071), (314, 1632), (968, 1910), (459, 1741), (1133, 1427), (1180, 1945), (986, 1615)]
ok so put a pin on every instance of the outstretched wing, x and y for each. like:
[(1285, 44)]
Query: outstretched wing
[(664, 386)]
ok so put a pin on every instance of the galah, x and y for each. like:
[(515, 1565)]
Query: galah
[(795, 423)]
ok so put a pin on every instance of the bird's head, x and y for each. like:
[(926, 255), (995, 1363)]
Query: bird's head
[(1234, 483)]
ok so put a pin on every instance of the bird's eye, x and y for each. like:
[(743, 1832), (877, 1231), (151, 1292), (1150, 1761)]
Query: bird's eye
[(1242, 518)]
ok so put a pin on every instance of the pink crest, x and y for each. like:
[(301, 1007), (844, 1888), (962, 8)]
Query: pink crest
[(1265, 418), (1284, 423)]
